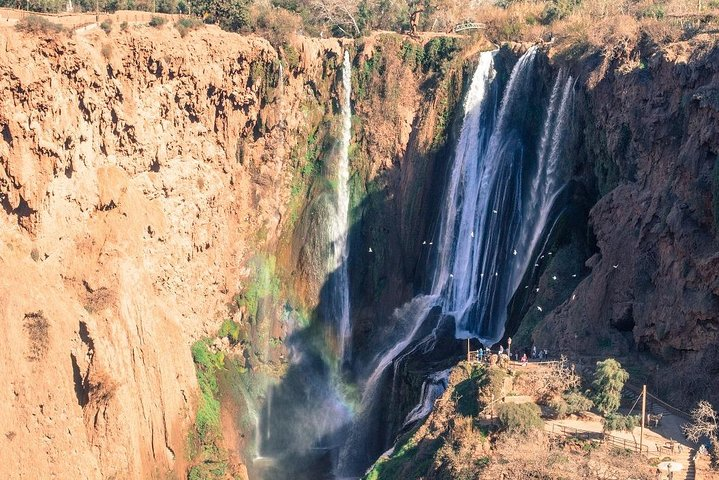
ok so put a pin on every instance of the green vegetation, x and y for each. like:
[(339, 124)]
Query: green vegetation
[(291, 56), (615, 422), (157, 21), (559, 10), (37, 25), (307, 167), (465, 393), (106, 26), (265, 284), (207, 422), (609, 379), (438, 52), (232, 330), (210, 460), (407, 462), (520, 417), (569, 404), (187, 24)]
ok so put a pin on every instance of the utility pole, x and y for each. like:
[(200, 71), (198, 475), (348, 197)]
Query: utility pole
[(468, 350), (644, 415)]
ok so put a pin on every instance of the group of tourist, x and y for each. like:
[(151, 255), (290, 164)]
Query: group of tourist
[(484, 354)]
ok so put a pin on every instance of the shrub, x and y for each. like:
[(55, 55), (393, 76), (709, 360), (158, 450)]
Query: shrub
[(576, 403), (558, 10), (231, 330), (207, 420), (106, 51), (123, 26), (559, 407), (291, 56), (187, 24), (277, 25), (520, 417), (36, 24), (620, 423), (157, 22), (106, 26), (609, 379)]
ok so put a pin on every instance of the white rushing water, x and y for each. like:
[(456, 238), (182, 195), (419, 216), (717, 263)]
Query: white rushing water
[(432, 388), (496, 209), (340, 223)]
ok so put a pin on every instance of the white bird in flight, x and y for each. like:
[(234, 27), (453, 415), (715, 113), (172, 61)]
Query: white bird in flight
[(615, 266), (370, 249), (424, 243), (539, 308), (514, 252), (495, 211), (554, 277)]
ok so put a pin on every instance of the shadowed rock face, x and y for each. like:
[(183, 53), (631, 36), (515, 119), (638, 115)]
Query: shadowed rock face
[(651, 136)]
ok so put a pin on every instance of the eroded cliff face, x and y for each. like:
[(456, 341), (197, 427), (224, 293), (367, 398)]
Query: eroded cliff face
[(142, 174), (139, 172), (649, 117)]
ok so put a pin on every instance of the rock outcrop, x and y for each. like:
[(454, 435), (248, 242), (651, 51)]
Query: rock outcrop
[(650, 119)]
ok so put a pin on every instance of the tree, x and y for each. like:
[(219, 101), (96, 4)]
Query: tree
[(559, 378), (609, 379), (704, 424), (338, 14), (621, 423), (520, 417)]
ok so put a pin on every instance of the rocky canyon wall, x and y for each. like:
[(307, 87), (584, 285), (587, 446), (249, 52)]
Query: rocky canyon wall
[(647, 133), (142, 176), (139, 172)]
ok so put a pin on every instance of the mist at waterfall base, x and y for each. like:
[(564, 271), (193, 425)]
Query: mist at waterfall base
[(304, 417), (503, 195)]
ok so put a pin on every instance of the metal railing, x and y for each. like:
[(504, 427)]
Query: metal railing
[(631, 445), (469, 26)]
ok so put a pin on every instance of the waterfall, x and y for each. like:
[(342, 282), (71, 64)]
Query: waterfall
[(497, 204), (340, 223), (432, 389), (545, 186)]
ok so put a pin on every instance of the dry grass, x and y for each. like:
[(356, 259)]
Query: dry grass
[(37, 329), (594, 25)]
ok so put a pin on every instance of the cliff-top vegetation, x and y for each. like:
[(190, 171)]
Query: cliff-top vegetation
[(579, 22)]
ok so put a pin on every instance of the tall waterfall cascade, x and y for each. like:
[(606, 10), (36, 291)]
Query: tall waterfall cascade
[(497, 207), (303, 417), (340, 223)]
